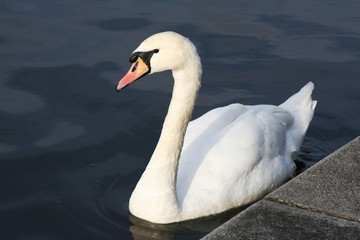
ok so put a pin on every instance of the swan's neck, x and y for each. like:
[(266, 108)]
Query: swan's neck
[(155, 193)]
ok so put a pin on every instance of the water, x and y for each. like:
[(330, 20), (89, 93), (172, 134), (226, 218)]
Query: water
[(72, 149)]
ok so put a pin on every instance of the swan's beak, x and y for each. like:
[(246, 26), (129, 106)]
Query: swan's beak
[(138, 69)]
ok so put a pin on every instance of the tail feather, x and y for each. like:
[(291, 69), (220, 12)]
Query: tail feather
[(302, 107), (301, 100)]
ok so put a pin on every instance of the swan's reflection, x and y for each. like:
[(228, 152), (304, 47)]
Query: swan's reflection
[(142, 229)]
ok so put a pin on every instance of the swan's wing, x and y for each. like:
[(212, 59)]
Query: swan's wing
[(222, 164), (211, 122), (236, 154), (236, 132)]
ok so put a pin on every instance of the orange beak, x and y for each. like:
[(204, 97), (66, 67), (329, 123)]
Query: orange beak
[(138, 69)]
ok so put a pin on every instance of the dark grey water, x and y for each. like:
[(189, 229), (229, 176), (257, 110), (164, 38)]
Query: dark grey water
[(72, 149)]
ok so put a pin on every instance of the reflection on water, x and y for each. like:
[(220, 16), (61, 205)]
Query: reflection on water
[(142, 229), (72, 149)]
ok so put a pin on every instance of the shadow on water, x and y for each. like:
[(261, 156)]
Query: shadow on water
[(121, 24)]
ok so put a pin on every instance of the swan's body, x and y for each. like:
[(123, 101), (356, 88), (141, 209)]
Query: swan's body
[(229, 157)]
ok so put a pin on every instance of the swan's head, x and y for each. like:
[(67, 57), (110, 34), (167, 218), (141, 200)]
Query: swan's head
[(160, 52)]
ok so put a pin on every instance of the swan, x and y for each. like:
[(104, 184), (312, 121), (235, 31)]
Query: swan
[(229, 157)]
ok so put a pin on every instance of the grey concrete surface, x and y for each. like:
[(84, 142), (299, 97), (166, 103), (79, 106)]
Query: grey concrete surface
[(332, 186), (270, 220), (321, 203)]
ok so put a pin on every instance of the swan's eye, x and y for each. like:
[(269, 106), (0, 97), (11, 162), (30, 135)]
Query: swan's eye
[(145, 56), (135, 66)]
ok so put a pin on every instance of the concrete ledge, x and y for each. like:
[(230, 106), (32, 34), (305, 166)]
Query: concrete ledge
[(321, 203)]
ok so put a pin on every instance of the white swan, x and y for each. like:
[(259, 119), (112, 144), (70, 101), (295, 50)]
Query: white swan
[(229, 157)]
